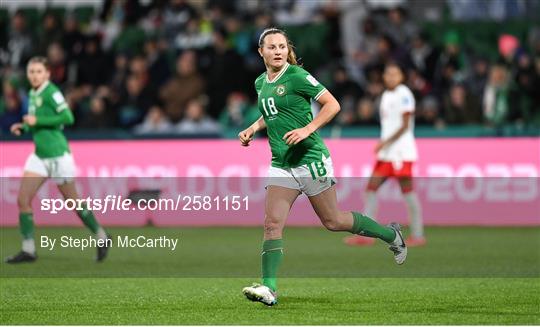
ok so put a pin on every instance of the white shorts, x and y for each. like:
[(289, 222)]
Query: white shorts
[(60, 169), (311, 179)]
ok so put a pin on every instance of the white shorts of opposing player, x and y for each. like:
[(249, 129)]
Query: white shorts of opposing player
[(60, 169), (310, 179)]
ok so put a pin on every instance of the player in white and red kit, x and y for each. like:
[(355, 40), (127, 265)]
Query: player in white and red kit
[(396, 154)]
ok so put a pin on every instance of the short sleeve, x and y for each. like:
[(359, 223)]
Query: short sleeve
[(258, 85), (59, 101), (407, 102), (307, 86)]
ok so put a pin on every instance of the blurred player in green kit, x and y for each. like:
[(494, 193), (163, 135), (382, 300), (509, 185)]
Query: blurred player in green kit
[(301, 162), (48, 112)]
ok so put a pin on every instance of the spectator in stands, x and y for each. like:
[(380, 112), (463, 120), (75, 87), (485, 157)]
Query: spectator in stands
[(510, 51), (93, 68), (388, 51), (460, 107), (522, 94), (254, 64), (12, 103), (399, 27), (375, 85), (238, 113), (476, 83), (135, 102), (20, 46), (365, 113), (50, 32), (367, 49), (155, 122), (196, 121), (423, 56), (176, 16), (347, 92), (428, 113), (223, 77), (295, 12), (419, 85), (120, 72), (495, 100), (158, 67), (131, 40), (58, 67), (196, 36), (184, 86), (138, 66), (115, 17), (73, 40), (99, 115), (452, 65), (238, 35)]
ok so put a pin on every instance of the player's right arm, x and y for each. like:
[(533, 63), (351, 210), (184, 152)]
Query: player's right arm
[(246, 135), (17, 129), (406, 118), (64, 117), (407, 107)]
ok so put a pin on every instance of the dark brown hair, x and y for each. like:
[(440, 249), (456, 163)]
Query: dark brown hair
[(39, 60), (291, 56)]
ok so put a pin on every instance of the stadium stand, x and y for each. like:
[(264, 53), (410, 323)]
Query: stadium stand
[(118, 63)]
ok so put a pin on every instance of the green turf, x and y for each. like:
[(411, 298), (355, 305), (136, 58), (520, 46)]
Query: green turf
[(463, 276), (303, 301)]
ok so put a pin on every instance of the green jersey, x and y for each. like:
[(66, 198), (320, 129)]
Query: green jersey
[(51, 110), (285, 104)]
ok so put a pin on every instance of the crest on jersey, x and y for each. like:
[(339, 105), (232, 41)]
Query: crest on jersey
[(280, 90), (39, 101)]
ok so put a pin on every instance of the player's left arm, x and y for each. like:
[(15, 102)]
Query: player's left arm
[(329, 108)]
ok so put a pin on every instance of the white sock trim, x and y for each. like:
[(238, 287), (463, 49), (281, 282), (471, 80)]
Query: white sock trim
[(101, 234), (29, 246)]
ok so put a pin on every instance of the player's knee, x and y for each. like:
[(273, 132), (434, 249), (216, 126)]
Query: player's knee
[(332, 224), (272, 224)]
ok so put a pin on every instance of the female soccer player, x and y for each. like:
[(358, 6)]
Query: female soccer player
[(396, 153), (47, 113), (300, 160)]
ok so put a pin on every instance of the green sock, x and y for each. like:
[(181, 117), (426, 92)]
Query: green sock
[(272, 256), (26, 225), (366, 226), (88, 219)]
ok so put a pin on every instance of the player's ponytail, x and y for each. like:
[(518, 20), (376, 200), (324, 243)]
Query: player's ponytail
[(291, 56)]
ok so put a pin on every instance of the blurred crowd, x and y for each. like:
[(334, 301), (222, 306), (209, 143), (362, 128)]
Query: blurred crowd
[(187, 67)]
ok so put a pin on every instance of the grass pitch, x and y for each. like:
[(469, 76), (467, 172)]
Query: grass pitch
[(463, 276)]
